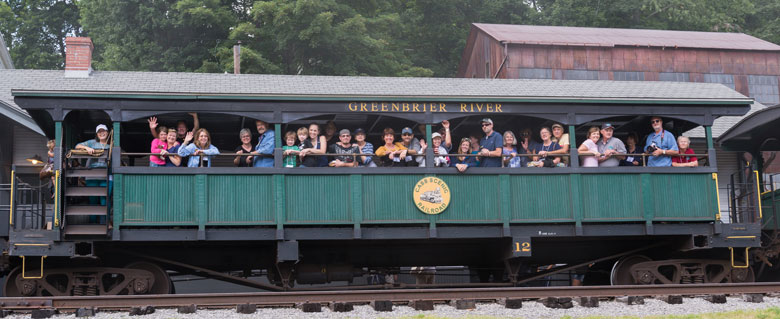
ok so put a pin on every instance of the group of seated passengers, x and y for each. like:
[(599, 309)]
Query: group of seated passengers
[(302, 148)]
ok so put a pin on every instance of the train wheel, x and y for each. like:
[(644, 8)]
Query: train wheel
[(9, 285), (621, 271), (162, 282), (742, 275)]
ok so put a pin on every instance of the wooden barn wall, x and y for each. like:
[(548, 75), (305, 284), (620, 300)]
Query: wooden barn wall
[(482, 50), (752, 73)]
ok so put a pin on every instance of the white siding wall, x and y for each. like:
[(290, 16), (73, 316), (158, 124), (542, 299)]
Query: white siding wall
[(27, 144), (727, 165)]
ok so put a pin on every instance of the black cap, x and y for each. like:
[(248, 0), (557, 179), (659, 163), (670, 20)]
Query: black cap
[(606, 126), (359, 131)]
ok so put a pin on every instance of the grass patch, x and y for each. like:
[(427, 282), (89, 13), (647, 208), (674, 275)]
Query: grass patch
[(768, 313)]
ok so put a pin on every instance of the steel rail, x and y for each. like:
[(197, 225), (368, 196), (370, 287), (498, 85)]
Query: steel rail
[(365, 296)]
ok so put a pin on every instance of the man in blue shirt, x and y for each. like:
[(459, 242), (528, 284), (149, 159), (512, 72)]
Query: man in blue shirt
[(661, 144), (265, 145), (490, 145)]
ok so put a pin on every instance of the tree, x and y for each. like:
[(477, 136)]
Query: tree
[(435, 32), (155, 35), (329, 37), (36, 29), (765, 22), (693, 15)]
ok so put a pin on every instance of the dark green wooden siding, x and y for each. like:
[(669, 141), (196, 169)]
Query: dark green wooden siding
[(612, 197), (237, 199), (159, 199), (370, 199), (540, 197)]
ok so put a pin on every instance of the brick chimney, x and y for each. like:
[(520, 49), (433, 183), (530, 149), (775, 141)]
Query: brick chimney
[(78, 57)]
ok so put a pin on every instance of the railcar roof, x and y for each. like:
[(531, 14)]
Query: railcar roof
[(751, 133), (262, 86)]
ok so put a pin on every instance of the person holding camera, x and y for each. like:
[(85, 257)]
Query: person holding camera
[(661, 144), (610, 147)]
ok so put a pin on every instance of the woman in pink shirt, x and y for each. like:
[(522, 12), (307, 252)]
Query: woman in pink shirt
[(589, 146), (159, 144)]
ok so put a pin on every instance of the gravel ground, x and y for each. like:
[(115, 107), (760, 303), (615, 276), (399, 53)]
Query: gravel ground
[(531, 309)]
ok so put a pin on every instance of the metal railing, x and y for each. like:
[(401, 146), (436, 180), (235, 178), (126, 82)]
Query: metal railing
[(744, 199), (228, 154), (27, 207), (770, 201)]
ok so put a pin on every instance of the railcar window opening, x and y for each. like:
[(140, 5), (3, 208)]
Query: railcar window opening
[(224, 129), (79, 126), (373, 125), (640, 128)]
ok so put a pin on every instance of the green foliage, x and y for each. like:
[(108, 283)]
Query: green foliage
[(330, 37), (155, 35), (36, 30)]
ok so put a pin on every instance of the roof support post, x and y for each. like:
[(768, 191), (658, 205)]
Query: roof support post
[(278, 160), (711, 158), (429, 149), (574, 160)]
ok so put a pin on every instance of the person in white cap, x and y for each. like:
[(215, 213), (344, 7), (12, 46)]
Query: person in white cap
[(439, 151), (100, 142)]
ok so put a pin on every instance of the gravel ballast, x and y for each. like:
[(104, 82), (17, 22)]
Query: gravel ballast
[(530, 309)]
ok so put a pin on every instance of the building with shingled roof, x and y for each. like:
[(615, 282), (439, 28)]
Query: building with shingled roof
[(20, 136), (749, 65)]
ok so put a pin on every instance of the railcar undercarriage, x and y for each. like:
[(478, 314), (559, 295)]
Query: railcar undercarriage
[(131, 270)]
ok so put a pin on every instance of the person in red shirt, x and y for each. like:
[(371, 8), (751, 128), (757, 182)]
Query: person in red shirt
[(684, 159)]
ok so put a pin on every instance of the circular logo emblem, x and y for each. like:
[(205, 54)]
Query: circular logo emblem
[(431, 195)]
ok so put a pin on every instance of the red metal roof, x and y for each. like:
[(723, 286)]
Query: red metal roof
[(576, 36)]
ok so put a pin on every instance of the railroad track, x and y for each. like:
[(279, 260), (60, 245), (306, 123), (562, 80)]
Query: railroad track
[(268, 299)]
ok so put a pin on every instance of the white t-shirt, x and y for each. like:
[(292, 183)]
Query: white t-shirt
[(590, 161)]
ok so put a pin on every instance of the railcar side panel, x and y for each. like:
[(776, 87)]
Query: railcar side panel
[(537, 198), (186, 200), (686, 197), (387, 198), (473, 198), (158, 199), (612, 197), (240, 199), (320, 199)]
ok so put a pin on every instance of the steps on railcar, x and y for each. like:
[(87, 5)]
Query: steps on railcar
[(86, 191), (92, 173), (85, 210), (80, 218), (98, 229)]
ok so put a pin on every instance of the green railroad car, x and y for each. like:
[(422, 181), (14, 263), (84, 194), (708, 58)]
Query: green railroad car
[(316, 225)]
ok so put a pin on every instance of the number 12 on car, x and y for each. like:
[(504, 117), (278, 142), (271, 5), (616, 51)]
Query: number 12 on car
[(521, 247)]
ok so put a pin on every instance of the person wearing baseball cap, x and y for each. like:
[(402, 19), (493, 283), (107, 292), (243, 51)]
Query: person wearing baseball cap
[(563, 140), (413, 147), (490, 146), (365, 148), (343, 146), (610, 147), (93, 147), (439, 151), (661, 143), (99, 143)]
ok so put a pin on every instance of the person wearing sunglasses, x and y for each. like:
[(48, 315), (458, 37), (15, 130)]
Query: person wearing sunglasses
[(490, 146), (661, 144), (345, 147)]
